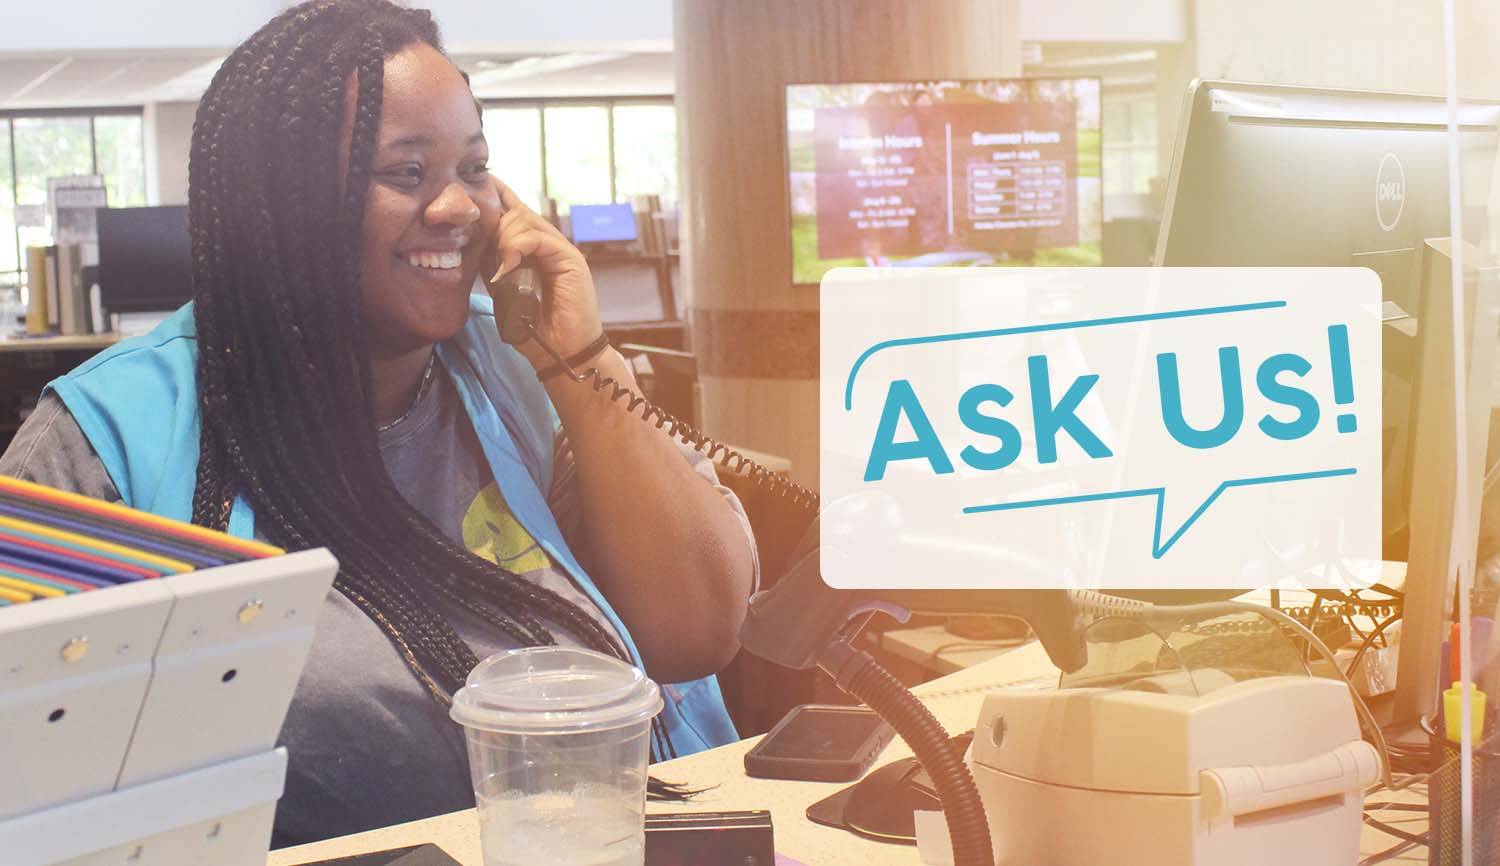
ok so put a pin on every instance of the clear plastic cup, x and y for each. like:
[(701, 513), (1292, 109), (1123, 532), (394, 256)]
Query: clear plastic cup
[(558, 744)]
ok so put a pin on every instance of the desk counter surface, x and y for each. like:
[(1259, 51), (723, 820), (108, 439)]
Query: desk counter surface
[(58, 343), (936, 649), (953, 699)]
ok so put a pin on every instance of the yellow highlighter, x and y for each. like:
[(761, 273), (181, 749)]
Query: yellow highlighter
[(1453, 711)]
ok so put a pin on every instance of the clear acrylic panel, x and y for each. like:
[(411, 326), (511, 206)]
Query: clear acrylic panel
[(1476, 65), (1185, 654)]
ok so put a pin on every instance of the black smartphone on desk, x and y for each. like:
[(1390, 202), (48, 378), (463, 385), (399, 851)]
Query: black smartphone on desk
[(820, 743)]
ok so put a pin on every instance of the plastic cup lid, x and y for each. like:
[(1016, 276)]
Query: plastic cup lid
[(554, 690)]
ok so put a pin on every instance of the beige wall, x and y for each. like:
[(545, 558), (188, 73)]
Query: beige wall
[(168, 128), (1477, 31), (1114, 21), (755, 333), (1361, 44)]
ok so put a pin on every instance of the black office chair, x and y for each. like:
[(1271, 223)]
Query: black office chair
[(669, 378)]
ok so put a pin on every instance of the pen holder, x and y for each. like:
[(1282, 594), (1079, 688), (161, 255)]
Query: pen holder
[(1444, 799)]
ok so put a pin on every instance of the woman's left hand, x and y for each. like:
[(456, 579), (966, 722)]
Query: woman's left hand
[(570, 309), (663, 539)]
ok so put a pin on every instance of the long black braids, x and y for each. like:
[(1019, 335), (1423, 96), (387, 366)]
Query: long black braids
[(283, 366)]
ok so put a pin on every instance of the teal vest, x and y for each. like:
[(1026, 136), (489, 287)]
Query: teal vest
[(137, 403)]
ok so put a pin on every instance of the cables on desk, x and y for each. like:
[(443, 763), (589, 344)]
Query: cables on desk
[(1399, 849), (1407, 841), (1397, 832)]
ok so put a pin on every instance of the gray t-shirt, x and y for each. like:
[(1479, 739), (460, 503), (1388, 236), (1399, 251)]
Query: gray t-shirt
[(369, 747)]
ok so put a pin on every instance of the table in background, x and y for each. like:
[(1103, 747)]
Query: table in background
[(28, 363), (935, 649), (58, 343)]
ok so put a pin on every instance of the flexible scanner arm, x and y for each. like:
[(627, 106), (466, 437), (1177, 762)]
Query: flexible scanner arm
[(794, 622), (802, 623)]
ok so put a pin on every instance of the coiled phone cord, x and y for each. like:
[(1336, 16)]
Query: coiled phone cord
[(854, 671), (800, 497)]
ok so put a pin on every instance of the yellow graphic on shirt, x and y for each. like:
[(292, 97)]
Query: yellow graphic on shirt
[(491, 532)]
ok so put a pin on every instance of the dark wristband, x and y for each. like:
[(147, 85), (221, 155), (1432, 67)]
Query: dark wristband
[(583, 356)]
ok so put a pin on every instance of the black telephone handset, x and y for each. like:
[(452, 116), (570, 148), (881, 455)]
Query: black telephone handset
[(518, 312), (518, 304)]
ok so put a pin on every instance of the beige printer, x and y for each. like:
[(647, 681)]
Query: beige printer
[(1175, 768)]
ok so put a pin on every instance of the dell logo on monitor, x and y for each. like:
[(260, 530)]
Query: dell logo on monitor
[(1390, 192)]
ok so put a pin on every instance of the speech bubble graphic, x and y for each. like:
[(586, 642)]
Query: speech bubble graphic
[(1105, 427)]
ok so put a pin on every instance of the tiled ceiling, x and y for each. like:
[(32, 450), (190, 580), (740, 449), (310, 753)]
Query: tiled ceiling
[(62, 81), (69, 81)]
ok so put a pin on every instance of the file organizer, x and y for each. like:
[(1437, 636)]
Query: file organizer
[(138, 719)]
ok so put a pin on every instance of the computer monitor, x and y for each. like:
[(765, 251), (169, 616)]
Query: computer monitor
[(629, 289), (1267, 175), (145, 259), (602, 223)]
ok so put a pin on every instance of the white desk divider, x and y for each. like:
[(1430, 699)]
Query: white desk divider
[(218, 816), (138, 722)]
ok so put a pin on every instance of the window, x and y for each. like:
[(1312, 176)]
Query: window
[(646, 152), (578, 158), (119, 155), (585, 151), (515, 139), (36, 146), (10, 265), (1129, 142), (47, 147)]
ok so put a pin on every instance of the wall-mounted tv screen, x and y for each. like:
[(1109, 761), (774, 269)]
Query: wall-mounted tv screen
[(944, 173)]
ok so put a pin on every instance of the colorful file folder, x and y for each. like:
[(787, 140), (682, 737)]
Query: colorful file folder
[(54, 543)]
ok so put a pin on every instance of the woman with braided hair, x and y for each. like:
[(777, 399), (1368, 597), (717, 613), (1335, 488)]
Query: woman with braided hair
[(336, 382)]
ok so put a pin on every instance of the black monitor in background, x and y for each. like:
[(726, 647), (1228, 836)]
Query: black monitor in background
[(145, 259), (602, 223)]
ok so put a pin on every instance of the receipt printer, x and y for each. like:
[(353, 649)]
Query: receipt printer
[(1265, 770)]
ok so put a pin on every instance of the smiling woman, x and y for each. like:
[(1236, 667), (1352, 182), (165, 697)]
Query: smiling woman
[(338, 382), (422, 252)]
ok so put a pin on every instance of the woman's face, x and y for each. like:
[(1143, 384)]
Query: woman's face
[(432, 211)]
